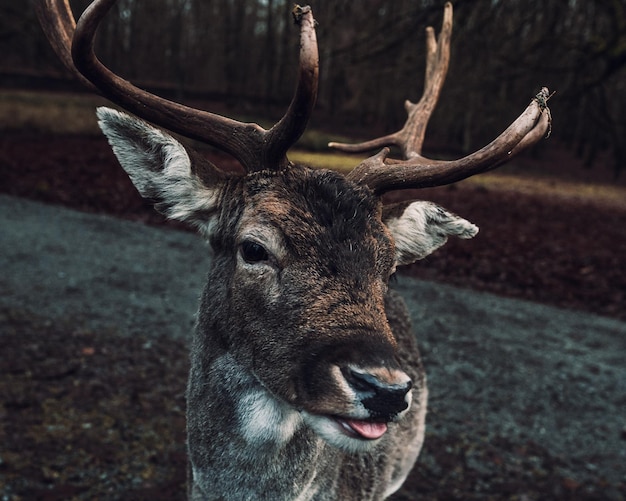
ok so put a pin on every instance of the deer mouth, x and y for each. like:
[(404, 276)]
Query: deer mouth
[(360, 429)]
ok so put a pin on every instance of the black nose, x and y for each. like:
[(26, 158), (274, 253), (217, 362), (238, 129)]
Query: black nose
[(383, 399)]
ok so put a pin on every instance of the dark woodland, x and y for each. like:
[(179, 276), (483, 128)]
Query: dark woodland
[(372, 58)]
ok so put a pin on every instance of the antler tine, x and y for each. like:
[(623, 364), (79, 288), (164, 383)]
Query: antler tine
[(255, 147), (288, 129), (411, 137), (57, 22), (382, 174)]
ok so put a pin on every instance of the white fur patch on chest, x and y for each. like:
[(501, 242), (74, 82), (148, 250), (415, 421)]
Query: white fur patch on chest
[(263, 419)]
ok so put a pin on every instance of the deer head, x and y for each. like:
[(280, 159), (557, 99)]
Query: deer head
[(296, 327)]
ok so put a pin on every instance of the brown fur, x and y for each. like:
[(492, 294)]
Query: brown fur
[(300, 350)]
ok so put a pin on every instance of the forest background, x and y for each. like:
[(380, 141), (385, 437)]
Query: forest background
[(243, 53)]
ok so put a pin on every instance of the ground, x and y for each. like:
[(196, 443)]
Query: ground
[(558, 246), (123, 437)]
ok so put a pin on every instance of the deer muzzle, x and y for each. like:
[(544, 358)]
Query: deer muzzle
[(385, 394)]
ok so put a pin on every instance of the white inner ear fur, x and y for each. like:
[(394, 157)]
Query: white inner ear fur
[(422, 228), (160, 168)]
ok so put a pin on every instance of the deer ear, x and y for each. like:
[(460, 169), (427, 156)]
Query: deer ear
[(161, 170), (419, 228)]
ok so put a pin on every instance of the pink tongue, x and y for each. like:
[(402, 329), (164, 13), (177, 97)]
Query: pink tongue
[(367, 429)]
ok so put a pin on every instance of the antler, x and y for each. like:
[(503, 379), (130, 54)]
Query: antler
[(255, 147), (383, 174)]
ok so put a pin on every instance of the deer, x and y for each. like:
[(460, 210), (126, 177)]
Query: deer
[(305, 380)]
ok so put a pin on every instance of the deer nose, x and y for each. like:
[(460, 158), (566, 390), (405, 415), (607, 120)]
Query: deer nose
[(383, 399)]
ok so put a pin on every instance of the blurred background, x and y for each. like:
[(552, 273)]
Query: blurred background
[(243, 53)]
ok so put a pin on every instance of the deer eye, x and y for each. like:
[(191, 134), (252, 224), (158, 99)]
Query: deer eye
[(253, 252)]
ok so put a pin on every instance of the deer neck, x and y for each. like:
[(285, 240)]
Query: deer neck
[(233, 421)]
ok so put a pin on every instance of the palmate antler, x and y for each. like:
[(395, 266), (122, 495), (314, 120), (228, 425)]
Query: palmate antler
[(255, 147), (383, 174)]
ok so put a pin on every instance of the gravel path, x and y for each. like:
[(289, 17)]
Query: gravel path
[(500, 370)]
